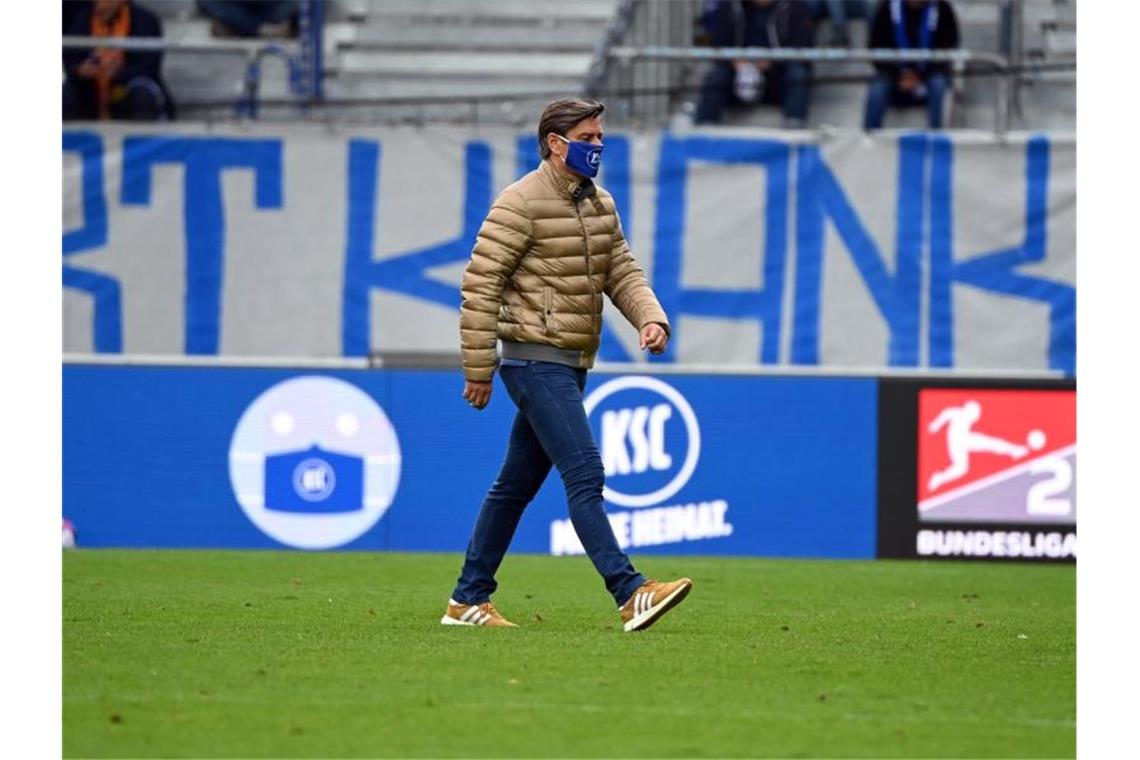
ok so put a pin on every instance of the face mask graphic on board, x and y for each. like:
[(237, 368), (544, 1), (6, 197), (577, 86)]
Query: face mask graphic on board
[(583, 157), (314, 480)]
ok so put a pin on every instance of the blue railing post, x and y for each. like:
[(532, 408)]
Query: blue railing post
[(310, 32)]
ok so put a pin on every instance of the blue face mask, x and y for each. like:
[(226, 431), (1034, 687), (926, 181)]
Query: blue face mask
[(314, 480), (583, 157)]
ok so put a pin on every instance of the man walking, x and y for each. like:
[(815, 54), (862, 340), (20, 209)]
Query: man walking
[(549, 249)]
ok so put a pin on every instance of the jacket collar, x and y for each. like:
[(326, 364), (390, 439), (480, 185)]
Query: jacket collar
[(573, 188)]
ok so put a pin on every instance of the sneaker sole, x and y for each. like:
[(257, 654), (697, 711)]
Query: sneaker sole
[(445, 620), (650, 616)]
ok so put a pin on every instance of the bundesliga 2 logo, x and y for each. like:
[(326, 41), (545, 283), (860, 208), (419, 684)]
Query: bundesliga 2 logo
[(648, 438), (314, 462), (988, 455)]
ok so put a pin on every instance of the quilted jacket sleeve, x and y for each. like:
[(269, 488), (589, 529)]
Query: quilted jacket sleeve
[(504, 238), (628, 287)]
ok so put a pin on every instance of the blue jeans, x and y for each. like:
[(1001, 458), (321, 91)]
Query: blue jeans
[(788, 84), (244, 17), (838, 10), (549, 428), (883, 92)]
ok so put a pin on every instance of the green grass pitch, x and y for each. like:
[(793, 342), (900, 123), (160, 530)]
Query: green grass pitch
[(290, 654)]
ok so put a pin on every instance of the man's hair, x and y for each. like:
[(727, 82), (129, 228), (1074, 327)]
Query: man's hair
[(560, 116)]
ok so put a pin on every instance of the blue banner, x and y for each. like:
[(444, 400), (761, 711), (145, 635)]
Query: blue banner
[(901, 250), (396, 460)]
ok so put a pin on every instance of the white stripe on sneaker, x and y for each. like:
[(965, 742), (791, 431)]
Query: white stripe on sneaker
[(482, 618), (647, 608), (468, 614)]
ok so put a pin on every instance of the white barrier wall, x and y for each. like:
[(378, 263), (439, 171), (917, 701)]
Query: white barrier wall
[(893, 250)]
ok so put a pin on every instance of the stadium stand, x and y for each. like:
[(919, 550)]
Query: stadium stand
[(1033, 33), (409, 49), (465, 56), (495, 61)]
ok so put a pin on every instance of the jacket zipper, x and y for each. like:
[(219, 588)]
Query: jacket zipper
[(547, 308), (589, 269)]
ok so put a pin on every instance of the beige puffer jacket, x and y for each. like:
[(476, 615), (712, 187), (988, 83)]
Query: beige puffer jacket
[(539, 268)]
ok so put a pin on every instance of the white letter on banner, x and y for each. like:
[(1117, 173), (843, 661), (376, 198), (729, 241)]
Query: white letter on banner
[(615, 426), (639, 438), (564, 539), (658, 458)]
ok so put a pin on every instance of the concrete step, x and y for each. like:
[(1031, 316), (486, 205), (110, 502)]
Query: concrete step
[(483, 64), (435, 37), (1036, 11), (979, 12), (195, 76), (519, 114), (347, 10), (197, 28), (169, 10), (495, 12), (1061, 42), (337, 34), (192, 76), (444, 87)]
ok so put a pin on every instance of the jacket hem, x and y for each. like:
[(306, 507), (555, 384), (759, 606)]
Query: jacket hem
[(540, 352)]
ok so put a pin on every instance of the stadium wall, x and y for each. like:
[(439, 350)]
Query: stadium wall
[(827, 250), (729, 464)]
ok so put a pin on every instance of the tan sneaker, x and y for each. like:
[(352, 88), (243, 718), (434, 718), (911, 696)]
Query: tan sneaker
[(474, 614), (652, 600)]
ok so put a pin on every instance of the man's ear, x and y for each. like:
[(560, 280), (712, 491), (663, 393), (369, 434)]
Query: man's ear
[(552, 141)]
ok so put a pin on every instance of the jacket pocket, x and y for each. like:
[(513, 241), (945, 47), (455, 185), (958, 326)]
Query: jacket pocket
[(547, 310)]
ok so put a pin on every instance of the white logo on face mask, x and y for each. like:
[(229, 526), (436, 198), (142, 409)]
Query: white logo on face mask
[(593, 157), (314, 479)]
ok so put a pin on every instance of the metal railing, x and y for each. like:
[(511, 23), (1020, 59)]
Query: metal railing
[(253, 51), (639, 23), (677, 24), (959, 60), (616, 31)]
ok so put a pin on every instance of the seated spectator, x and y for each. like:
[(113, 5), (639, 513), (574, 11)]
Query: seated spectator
[(251, 18), (911, 25), (109, 83), (838, 11), (757, 23)]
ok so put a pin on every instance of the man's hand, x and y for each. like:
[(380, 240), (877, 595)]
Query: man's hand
[(759, 65), (111, 68), (89, 69), (654, 337), (478, 395), (95, 68), (909, 80)]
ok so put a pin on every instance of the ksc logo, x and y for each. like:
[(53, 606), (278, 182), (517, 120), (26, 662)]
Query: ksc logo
[(314, 462), (648, 438)]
